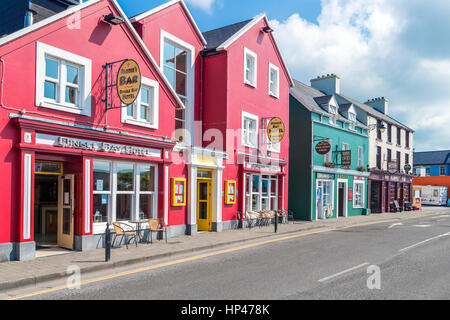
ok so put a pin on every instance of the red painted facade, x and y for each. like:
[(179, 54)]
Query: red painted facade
[(219, 97)]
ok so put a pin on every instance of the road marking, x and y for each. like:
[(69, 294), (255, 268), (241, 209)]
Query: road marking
[(179, 261), (424, 241), (395, 224), (422, 225), (342, 272)]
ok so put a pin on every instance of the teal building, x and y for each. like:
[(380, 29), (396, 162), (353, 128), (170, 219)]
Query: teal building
[(329, 152)]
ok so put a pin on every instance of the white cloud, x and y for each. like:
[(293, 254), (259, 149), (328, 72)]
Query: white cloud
[(379, 48), (205, 5)]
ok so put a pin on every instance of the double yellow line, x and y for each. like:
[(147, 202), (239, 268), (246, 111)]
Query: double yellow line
[(197, 257)]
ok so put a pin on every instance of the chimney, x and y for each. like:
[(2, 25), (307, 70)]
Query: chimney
[(29, 17), (329, 84), (381, 104)]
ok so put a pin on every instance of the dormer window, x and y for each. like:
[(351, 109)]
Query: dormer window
[(332, 109), (352, 117)]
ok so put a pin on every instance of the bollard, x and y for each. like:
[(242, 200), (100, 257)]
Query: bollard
[(276, 222), (107, 243)]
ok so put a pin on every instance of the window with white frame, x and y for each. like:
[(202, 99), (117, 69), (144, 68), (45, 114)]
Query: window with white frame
[(274, 80), (442, 171), (358, 194), (329, 156), (271, 146), (352, 118), (360, 157), (325, 198), (124, 191), (332, 109), (249, 130), (250, 67), (63, 80), (261, 192), (178, 67), (144, 111)]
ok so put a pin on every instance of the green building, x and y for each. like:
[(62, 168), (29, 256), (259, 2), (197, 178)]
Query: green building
[(329, 153)]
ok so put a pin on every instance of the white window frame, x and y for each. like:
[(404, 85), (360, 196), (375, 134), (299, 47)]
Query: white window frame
[(322, 181), (254, 56), (440, 170), (44, 51), (190, 82), (154, 123), (360, 156), (328, 157), (355, 193), (332, 109), (112, 193), (272, 147), (272, 179), (274, 68), (244, 133)]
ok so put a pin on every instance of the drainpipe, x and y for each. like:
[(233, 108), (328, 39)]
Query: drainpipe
[(29, 17)]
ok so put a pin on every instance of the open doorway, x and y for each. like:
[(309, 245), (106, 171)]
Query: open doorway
[(45, 210)]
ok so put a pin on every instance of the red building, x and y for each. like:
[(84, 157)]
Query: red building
[(76, 157)]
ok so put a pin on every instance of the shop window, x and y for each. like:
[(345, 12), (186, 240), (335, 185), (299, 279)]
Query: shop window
[(274, 79), (324, 197), (63, 80), (358, 194), (261, 192), (130, 186), (144, 111), (250, 67), (249, 130)]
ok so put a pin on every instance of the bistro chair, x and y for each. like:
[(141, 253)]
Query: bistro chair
[(126, 231), (253, 219), (157, 226)]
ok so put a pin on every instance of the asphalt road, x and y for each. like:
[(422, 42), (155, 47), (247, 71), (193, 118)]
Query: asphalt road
[(412, 259)]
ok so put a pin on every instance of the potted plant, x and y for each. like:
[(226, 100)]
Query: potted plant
[(329, 164), (361, 168)]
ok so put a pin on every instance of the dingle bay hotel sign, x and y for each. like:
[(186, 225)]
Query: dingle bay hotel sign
[(97, 146), (106, 147)]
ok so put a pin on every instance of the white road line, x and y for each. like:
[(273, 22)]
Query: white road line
[(342, 272), (424, 241), (395, 224), (422, 225)]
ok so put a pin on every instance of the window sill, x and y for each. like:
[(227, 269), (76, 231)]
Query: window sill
[(64, 107), (140, 123), (248, 83), (273, 95), (248, 146)]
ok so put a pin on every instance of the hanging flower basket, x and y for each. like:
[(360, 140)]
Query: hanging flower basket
[(329, 164)]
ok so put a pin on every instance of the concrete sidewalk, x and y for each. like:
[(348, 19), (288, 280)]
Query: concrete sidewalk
[(16, 274)]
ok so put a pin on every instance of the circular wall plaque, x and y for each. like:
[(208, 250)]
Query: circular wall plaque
[(323, 147), (128, 81), (275, 130)]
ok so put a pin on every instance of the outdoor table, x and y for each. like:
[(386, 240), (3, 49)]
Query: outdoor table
[(138, 224)]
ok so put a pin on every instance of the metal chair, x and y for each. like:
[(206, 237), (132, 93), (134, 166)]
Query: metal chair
[(124, 230)]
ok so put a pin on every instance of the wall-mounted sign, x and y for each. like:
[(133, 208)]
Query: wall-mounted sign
[(260, 166), (178, 192), (326, 176), (323, 147), (392, 166), (346, 158), (50, 140), (275, 130), (230, 192), (407, 167), (128, 81)]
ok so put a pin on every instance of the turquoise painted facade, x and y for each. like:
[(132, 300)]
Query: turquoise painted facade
[(320, 187)]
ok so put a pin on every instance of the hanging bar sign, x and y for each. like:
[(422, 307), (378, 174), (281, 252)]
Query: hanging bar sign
[(275, 130), (128, 81)]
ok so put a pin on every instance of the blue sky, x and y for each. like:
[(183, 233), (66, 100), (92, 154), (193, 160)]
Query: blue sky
[(226, 12), (379, 48)]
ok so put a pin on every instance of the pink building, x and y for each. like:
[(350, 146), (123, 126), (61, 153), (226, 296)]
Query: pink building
[(192, 149)]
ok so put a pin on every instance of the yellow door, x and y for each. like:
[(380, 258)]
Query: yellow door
[(66, 211), (204, 205)]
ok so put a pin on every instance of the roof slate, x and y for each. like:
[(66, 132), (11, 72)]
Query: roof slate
[(216, 37), (431, 157)]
